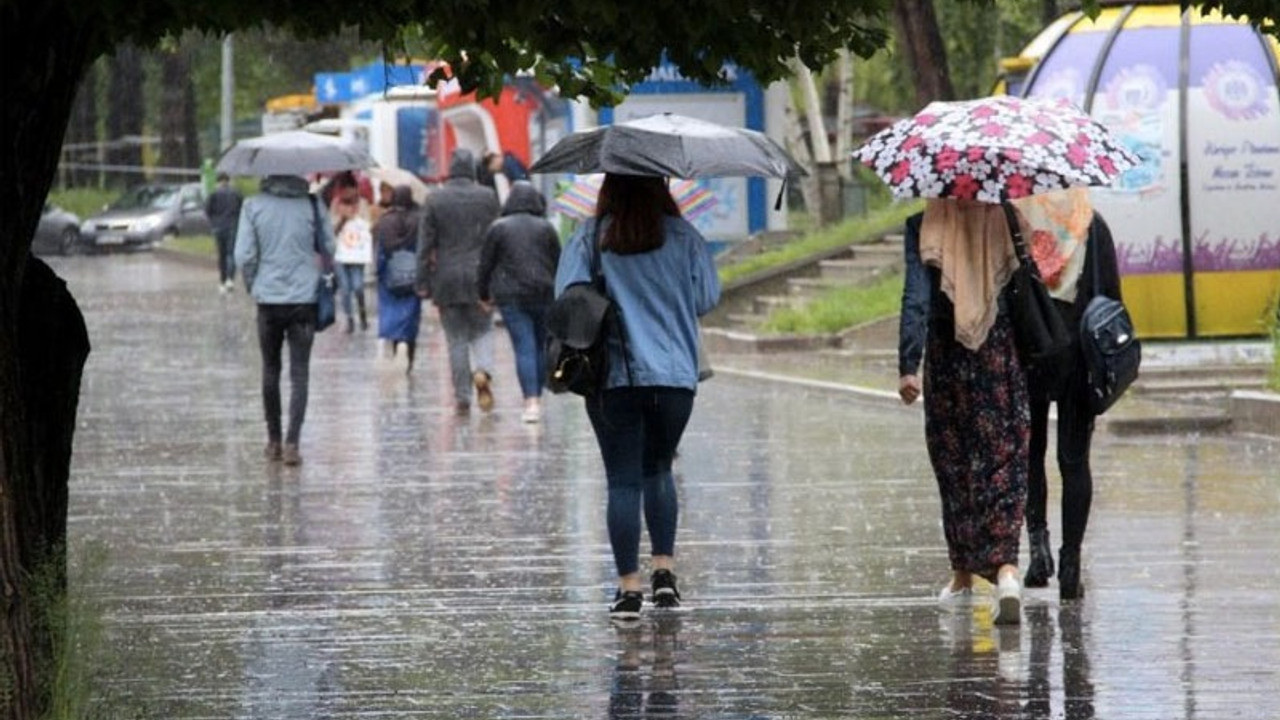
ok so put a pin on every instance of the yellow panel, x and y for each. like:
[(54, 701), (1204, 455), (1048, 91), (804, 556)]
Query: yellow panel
[(1155, 16), (1157, 304), (1107, 19), (1234, 303)]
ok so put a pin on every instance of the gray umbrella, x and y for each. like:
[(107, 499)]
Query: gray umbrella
[(296, 152), (670, 146)]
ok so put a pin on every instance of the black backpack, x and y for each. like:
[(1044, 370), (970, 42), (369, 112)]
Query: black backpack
[(579, 323), (1109, 345)]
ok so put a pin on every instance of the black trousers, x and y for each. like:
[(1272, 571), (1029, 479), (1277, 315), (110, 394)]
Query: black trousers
[(1075, 436), (226, 240), (278, 324)]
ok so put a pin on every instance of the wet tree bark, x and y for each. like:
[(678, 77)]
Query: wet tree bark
[(45, 52), (179, 143), (916, 26), (125, 113), (84, 130)]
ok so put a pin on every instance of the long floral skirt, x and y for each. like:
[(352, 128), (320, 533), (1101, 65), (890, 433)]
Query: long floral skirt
[(977, 427)]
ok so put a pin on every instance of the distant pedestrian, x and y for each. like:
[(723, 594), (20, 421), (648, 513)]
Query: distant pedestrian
[(1068, 239), (276, 246), (454, 219), (658, 270), (223, 210), (355, 249), (959, 259), (518, 272), (399, 313)]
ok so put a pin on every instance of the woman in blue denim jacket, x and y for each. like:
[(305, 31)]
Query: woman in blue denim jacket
[(659, 272)]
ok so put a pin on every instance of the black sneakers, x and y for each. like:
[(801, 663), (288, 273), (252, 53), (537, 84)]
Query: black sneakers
[(665, 594), (626, 605)]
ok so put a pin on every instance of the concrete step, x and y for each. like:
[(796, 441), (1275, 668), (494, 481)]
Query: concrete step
[(857, 270), (745, 321), (765, 304), (889, 252), (1191, 385), (805, 288)]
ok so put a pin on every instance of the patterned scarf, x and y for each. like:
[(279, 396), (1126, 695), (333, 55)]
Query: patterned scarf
[(1056, 226)]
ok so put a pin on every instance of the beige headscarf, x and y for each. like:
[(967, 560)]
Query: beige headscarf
[(1056, 226), (970, 244)]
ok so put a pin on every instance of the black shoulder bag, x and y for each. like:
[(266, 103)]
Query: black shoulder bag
[(578, 326), (1112, 353), (1038, 327)]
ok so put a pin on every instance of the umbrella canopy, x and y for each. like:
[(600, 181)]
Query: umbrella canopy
[(578, 201), (670, 145), (296, 152), (399, 176), (995, 148)]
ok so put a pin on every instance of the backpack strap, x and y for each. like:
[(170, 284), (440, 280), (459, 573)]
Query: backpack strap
[(598, 279)]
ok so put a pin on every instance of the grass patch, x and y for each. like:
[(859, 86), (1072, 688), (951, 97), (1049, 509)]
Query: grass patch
[(840, 309), (84, 202), (193, 245), (847, 232)]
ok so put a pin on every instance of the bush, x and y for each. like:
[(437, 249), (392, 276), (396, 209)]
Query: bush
[(83, 201)]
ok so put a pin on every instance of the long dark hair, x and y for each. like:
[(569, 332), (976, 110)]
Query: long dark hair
[(636, 205)]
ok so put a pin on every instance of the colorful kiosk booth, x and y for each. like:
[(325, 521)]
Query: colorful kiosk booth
[(1197, 226)]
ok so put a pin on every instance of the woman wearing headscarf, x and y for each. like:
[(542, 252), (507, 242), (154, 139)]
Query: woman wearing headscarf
[(660, 275), (1066, 238), (959, 259), (399, 313)]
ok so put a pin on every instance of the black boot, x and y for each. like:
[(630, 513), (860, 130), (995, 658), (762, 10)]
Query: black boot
[(1041, 567), (364, 318), (1069, 587), (351, 324)]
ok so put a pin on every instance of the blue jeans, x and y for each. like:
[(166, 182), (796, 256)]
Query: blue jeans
[(638, 430), (527, 326), (351, 282)]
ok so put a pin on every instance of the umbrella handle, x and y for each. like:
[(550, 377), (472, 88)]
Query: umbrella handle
[(777, 204)]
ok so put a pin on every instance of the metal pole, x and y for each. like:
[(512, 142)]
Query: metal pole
[(228, 94)]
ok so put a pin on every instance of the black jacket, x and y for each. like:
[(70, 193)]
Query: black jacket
[(521, 251), (925, 308), (223, 208)]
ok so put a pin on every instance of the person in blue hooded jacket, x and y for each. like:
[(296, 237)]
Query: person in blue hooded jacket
[(659, 272)]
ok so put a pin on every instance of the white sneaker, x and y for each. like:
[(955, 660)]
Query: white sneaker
[(532, 411), (950, 599), (1006, 601)]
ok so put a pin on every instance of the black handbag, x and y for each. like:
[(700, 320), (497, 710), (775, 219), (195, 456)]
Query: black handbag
[(1041, 333), (402, 272), (579, 323), (1112, 353)]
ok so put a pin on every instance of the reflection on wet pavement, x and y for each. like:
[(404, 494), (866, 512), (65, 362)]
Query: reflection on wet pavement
[(424, 565)]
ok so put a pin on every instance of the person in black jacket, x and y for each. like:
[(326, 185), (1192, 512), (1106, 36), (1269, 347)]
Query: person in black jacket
[(1065, 382), (223, 211), (518, 272)]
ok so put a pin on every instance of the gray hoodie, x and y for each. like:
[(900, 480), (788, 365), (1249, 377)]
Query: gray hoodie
[(454, 219), (276, 242)]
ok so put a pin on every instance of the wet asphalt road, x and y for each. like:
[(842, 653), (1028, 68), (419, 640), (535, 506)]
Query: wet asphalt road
[(424, 565)]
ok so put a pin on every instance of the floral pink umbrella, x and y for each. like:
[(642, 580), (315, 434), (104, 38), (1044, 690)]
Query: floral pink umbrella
[(995, 148)]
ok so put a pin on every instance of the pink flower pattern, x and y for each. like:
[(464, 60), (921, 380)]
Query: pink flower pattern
[(994, 149)]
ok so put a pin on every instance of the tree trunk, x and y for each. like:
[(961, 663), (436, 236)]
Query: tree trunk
[(1048, 11), (83, 131), (844, 115), (125, 113), (916, 26), (179, 144), (46, 52)]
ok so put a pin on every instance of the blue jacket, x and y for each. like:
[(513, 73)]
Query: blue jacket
[(276, 242), (660, 295)]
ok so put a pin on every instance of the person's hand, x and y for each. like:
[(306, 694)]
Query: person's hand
[(486, 306), (424, 294), (909, 388)]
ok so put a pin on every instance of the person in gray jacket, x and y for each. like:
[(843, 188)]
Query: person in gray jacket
[(518, 271), (451, 231), (276, 251)]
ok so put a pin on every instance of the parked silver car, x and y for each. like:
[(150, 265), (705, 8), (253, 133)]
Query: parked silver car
[(147, 214), (58, 232)]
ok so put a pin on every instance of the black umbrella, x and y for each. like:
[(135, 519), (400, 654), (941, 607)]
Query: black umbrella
[(669, 145)]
